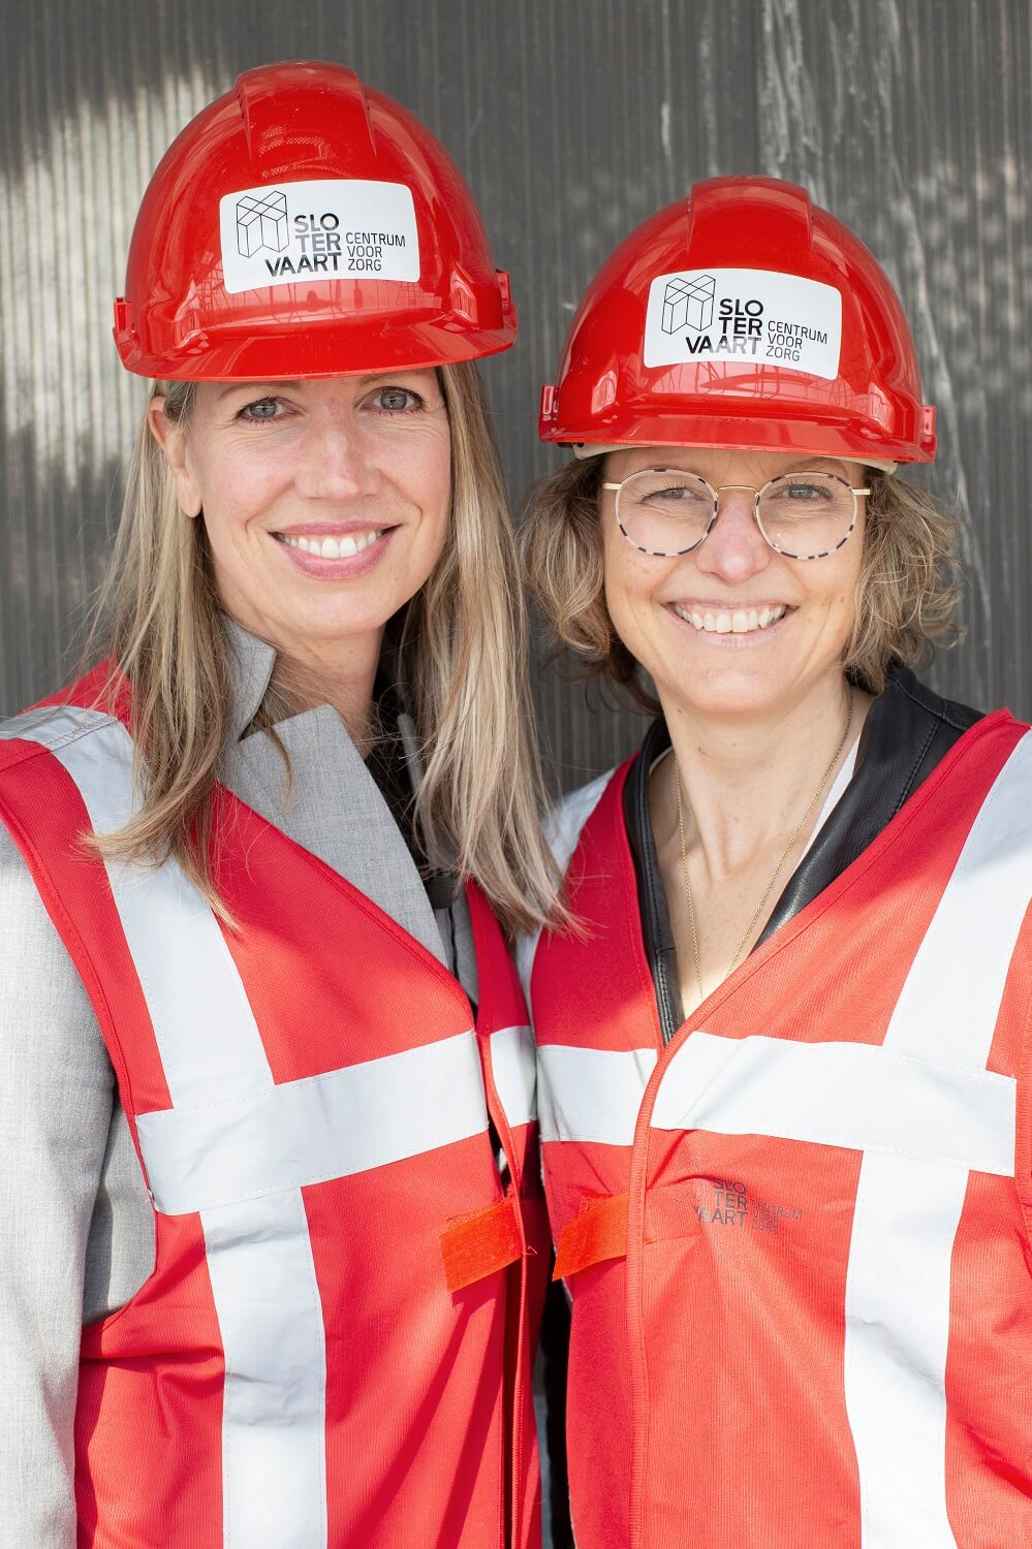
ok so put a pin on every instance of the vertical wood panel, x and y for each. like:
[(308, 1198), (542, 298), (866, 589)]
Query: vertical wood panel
[(909, 118)]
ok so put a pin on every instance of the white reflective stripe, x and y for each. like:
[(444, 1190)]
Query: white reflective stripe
[(897, 1337), (53, 725), (860, 1096), (591, 1094), (949, 1004), (514, 1068), (273, 1413), (314, 1129), (905, 1220), (562, 829), (184, 966)]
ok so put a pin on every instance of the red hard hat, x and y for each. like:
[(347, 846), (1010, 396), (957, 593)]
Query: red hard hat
[(743, 316), (303, 225)]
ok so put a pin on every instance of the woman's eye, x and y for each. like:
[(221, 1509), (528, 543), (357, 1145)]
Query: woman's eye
[(802, 493), (261, 410), (675, 492), (398, 400)]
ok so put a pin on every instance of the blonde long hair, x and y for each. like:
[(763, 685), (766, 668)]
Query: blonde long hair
[(462, 654)]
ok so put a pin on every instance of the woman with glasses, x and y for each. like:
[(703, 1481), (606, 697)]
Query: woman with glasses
[(783, 1061)]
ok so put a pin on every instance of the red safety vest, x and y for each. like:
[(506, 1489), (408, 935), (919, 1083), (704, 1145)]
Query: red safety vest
[(797, 1238), (332, 1351)]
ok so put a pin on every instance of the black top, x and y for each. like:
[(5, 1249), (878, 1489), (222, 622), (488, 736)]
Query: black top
[(392, 770)]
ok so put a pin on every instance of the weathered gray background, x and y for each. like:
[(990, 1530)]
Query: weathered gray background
[(573, 119)]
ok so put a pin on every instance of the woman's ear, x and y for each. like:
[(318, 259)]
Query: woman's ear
[(171, 438)]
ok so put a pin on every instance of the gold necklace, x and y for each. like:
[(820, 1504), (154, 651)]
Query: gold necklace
[(757, 913)]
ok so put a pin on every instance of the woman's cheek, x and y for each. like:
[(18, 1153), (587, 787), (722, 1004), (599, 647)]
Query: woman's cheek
[(629, 602)]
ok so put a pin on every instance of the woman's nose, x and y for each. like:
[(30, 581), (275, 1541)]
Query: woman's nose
[(735, 548), (334, 461)]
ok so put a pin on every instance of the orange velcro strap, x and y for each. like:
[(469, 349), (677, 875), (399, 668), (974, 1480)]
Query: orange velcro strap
[(598, 1232), (480, 1244)]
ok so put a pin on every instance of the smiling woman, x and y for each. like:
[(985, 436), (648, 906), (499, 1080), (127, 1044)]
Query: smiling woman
[(783, 1062), (274, 1105), (336, 479), (903, 592)]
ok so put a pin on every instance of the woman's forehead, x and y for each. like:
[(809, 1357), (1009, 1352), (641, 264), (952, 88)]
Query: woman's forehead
[(720, 464)]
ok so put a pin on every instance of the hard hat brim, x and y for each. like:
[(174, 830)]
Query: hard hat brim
[(848, 439), (314, 352)]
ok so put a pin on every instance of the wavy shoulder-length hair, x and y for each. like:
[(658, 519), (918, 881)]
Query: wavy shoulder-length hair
[(461, 655), (906, 594)]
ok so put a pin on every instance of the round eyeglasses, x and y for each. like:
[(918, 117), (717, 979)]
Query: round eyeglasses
[(667, 512)]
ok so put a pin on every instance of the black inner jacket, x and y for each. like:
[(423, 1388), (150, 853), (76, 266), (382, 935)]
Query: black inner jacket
[(908, 730), (389, 767)]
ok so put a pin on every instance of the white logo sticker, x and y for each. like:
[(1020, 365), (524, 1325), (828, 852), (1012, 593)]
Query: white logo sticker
[(318, 230), (746, 315)]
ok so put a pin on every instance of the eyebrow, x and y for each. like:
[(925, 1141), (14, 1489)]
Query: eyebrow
[(251, 387)]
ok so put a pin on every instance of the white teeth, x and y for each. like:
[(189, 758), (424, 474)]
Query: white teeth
[(738, 621), (343, 547)]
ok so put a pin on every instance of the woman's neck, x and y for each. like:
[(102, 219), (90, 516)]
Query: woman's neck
[(298, 684), (749, 782)]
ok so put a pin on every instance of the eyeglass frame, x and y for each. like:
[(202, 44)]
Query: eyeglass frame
[(757, 494)]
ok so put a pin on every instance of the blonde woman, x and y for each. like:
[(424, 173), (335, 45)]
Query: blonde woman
[(268, 1231), (784, 1064)]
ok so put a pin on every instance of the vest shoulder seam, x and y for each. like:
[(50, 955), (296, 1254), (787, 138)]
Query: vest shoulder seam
[(31, 748)]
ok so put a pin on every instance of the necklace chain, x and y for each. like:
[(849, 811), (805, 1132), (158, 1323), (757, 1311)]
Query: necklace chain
[(693, 929)]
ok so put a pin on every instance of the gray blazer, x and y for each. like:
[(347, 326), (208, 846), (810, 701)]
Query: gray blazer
[(76, 1226)]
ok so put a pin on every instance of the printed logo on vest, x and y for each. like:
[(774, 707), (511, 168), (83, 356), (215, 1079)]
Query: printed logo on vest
[(726, 1202), (742, 318), (318, 229)]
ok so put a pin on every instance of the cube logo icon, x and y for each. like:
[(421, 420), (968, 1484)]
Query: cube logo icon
[(261, 221), (689, 303)]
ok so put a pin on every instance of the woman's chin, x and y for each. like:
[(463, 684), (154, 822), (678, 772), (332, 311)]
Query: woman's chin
[(730, 689)]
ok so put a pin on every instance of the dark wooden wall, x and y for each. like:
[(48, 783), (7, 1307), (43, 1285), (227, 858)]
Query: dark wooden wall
[(572, 119)]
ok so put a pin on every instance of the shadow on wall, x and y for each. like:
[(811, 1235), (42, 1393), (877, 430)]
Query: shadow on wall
[(56, 541), (572, 123)]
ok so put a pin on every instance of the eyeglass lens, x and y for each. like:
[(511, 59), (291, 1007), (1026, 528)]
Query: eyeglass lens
[(667, 512)]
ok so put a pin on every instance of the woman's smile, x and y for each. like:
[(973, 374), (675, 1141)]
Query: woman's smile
[(335, 551), (731, 624)]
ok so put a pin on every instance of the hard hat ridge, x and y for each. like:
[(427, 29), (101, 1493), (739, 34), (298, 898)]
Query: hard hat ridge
[(259, 95)]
